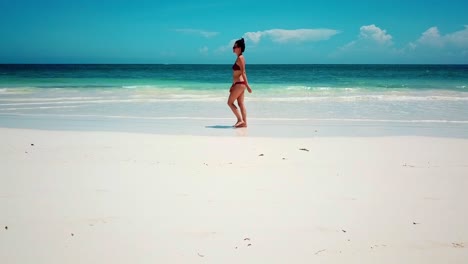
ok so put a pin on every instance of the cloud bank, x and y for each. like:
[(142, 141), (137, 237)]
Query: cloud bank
[(432, 37), (376, 34), (370, 36), (374, 44), (290, 35), (203, 33)]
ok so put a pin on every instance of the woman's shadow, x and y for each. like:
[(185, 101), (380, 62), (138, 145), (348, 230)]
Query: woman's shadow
[(221, 127), (239, 131)]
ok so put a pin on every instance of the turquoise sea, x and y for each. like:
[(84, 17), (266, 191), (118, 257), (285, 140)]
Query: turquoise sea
[(125, 97)]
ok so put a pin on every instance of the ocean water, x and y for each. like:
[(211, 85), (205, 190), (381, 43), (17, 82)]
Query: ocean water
[(44, 95)]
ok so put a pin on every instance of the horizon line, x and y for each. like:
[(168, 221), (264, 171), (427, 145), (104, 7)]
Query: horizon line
[(65, 63)]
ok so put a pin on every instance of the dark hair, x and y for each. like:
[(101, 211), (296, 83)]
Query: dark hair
[(240, 43)]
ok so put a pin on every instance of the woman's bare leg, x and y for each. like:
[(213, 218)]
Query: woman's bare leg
[(243, 110), (236, 91)]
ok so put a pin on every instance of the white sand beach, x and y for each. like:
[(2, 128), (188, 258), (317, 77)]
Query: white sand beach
[(113, 197)]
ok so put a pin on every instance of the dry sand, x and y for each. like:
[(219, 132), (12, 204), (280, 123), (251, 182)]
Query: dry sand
[(105, 197)]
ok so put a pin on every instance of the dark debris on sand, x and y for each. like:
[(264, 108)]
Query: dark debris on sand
[(320, 251), (458, 245), (304, 149)]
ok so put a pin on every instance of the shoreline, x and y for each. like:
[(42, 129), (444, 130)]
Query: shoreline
[(258, 127)]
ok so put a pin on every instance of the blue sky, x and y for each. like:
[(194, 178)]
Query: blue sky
[(161, 31)]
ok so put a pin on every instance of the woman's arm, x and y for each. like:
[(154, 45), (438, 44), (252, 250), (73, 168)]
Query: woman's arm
[(244, 74)]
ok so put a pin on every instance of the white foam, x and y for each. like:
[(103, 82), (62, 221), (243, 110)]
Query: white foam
[(321, 88), (40, 99), (36, 108), (113, 101), (210, 98), (137, 86), (19, 90), (393, 120), (155, 88), (438, 121), (298, 88), (356, 98)]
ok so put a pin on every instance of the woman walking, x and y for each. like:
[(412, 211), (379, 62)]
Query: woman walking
[(239, 84)]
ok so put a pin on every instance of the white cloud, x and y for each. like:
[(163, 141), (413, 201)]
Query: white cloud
[(255, 37), (411, 46), (370, 38), (432, 37), (203, 33), (376, 34), (459, 38), (434, 47), (374, 44), (226, 47), (291, 35), (349, 45), (371, 45), (284, 36)]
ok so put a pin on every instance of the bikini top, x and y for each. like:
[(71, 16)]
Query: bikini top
[(236, 67)]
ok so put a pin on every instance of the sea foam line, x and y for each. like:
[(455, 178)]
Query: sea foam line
[(252, 118), (188, 98), (153, 100), (37, 108), (53, 99)]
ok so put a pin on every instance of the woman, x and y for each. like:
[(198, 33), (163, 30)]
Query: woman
[(239, 84)]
